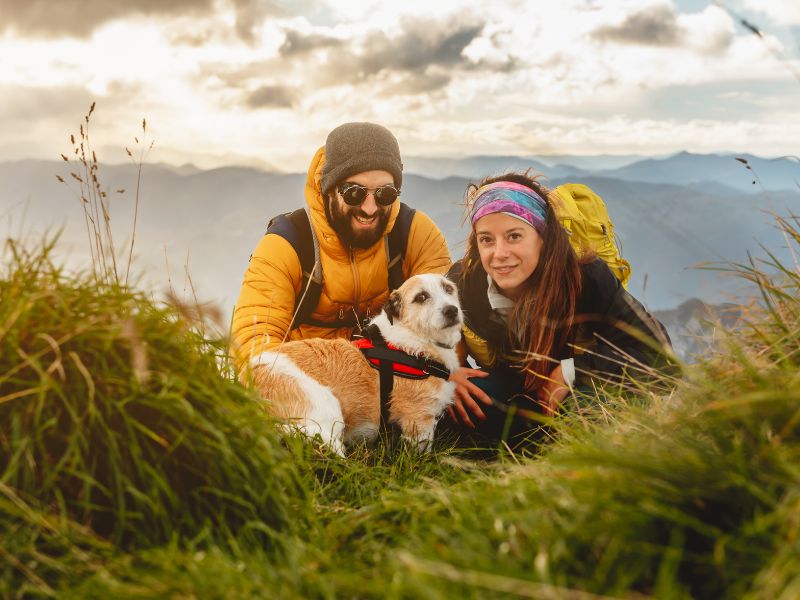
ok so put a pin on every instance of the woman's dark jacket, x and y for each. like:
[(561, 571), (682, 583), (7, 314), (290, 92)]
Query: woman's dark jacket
[(613, 332)]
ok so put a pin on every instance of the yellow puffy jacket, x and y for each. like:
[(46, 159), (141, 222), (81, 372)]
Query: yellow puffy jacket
[(353, 280)]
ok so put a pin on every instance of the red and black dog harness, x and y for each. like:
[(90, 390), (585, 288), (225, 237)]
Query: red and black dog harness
[(390, 361)]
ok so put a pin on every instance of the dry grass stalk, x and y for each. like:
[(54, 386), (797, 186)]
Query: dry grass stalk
[(95, 202)]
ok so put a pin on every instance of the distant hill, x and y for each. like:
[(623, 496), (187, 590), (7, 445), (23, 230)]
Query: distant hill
[(216, 217), (592, 162), (698, 169), (691, 170), (472, 168), (693, 327)]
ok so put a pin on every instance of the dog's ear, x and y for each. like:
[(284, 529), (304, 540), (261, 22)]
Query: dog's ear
[(392, 306)]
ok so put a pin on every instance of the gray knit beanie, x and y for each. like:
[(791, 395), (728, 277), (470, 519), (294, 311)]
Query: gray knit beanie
[(357, 147)]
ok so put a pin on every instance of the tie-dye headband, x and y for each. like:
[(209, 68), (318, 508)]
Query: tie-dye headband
[(511, 198)]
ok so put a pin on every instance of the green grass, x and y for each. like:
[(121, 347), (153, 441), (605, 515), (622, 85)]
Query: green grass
[(114, 414), (132, 466)]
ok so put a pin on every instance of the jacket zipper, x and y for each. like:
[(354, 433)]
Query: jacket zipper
[(356, 281)]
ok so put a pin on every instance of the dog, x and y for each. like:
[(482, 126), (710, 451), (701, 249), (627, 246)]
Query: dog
[(328, 387)]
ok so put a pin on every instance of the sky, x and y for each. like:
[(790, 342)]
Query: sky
[(262, 82)]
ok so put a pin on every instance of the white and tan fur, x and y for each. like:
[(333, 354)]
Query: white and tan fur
[(327, 387)]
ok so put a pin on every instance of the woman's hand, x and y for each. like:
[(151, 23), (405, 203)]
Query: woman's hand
[(464, 405), (553, 391)]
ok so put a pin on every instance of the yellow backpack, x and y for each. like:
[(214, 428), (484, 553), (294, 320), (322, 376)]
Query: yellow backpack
[(583, 214)]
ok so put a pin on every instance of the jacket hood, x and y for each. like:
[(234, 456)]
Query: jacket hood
[(316, 204)]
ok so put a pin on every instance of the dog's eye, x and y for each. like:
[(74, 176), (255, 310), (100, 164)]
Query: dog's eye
[(448, 289), (421, 297)]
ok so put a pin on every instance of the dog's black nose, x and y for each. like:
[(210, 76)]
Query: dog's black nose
[(450, 313)]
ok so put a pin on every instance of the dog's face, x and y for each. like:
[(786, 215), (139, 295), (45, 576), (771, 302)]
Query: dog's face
[(428, 306)]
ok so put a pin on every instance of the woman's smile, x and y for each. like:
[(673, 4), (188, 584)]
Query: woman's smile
[(504, 270)]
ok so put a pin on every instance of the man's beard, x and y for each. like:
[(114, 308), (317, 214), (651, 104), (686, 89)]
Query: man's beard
[(341, 218)]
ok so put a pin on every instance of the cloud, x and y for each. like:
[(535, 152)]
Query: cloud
[(652, 26), (250, 14), (782, 12), (297, 44), (661, 26), (37, 121), (416, 57), (400, 64), (193, 37), (421, 45), (78, 18), (430, 81), (422, 57), (24, 104), (272, 96)]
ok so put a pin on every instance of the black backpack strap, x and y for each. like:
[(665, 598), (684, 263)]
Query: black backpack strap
[(386, 374), (387, 384), (396, 243), (295, 228)]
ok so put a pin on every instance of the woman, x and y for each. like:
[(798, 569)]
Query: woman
[(539, 319)]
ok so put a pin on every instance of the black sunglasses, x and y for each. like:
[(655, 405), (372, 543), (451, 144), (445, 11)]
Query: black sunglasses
[(354, 194)]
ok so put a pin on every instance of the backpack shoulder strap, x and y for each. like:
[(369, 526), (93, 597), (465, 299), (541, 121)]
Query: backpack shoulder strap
[(396, 243), (295, 228)]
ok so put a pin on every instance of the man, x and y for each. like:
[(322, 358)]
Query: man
[(351, 196)]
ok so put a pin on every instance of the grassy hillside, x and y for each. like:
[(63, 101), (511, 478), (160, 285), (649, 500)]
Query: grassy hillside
[(131, 465)]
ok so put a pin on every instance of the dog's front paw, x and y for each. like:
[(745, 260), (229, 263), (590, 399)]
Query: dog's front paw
[(421, 442)]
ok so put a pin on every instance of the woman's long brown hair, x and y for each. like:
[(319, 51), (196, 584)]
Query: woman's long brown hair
[(541, 322)]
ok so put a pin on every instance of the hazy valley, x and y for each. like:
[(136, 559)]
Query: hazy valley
[(670, 215)]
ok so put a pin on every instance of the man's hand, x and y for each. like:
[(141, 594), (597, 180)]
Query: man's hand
[(552, 393), (466, 392)]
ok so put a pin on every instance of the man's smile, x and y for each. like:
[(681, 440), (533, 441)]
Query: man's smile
[(366, 221)]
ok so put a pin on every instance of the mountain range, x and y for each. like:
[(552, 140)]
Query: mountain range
[(741, 172), (670, 214)]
